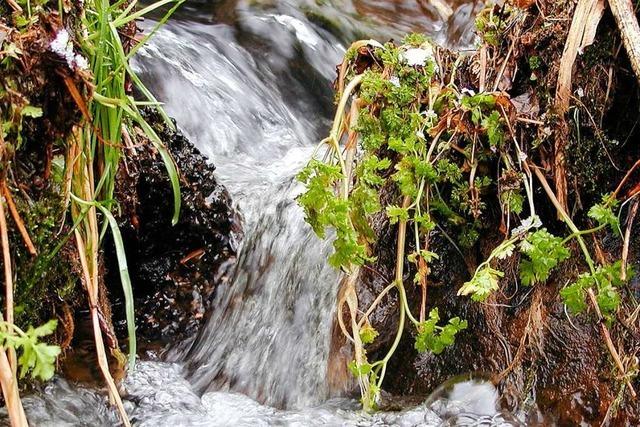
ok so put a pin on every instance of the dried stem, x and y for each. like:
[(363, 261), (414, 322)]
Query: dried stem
[(18, 220), (626, 177), (9, 385), (8, 363), (15, 6), (633, 210), (88, 241), (8, 280), (625, 16), (103, 363), (586, 16)]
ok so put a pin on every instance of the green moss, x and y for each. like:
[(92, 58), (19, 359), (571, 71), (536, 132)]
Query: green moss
[(49, 277)]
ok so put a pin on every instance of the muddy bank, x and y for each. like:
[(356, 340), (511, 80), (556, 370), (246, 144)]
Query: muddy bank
[(549, 364)]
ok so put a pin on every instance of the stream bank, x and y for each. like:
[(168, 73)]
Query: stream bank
[(549, 363), (45, 91)]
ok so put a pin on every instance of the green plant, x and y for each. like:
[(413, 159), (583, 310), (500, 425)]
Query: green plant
[(397, 114), (434, 338), (432, 149), (90, 56), (97, 149), (36, 358), (492, 22)]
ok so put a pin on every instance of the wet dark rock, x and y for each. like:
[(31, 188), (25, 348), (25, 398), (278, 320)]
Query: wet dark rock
[(563, 367), (174, 269)]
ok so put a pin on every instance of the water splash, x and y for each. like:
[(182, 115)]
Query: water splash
[(159, 395)]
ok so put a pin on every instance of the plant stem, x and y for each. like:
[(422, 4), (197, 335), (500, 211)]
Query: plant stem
[(18, 220), (8, 279), (9, 385), (402, 229)]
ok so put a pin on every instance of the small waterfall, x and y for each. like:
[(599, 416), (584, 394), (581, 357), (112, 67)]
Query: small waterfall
[(267, 335), (256, 97)]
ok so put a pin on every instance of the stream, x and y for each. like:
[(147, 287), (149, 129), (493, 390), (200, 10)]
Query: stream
[(249, 82)]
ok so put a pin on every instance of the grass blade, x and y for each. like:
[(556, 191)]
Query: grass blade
[(125, 279)]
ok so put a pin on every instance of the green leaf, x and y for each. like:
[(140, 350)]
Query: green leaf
[(504, 251), (405, 177), (428, 256), (543, 252), (603, 282), (434, 338), (604, 215), (424, 222), (35, 357), (482, 284), (358, 371), (426, 170), (574, 297), (125, 280), (31, 111), (494, 129), (396, 213), (368, 334), (44, 330)]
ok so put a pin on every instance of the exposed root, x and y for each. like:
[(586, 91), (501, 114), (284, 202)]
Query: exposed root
[(534, 319)]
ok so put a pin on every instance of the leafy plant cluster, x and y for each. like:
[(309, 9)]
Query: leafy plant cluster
[(404, 143), (36, 358), (492, 22), (412, 132)]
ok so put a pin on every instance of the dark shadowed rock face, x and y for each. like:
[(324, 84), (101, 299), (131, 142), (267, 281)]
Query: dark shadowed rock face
[(174, 269)]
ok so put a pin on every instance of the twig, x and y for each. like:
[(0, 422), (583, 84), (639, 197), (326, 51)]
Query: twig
[(10, 393), (625, 17), (18, 220), (530, 121), (15, 6), (8, 279), (626, 177)]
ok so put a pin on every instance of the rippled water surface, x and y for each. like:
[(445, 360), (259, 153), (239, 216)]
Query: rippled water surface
[(249, 82)]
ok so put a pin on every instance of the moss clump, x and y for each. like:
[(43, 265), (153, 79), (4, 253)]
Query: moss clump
[(50, 277)]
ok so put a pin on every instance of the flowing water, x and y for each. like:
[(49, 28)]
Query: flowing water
[(250, 84)]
